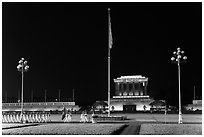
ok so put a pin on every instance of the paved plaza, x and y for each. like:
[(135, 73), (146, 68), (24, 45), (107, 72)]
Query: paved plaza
[(142, 117), (136, 124), (187, 118)]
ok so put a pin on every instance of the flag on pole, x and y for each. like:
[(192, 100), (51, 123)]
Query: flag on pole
[(110, 33)]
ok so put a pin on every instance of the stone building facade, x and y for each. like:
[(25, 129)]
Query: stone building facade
[(131, 94)]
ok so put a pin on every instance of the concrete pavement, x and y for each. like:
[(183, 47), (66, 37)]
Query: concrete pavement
[(135, 121)]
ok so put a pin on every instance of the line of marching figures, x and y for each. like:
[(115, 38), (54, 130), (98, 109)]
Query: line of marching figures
[(26, 118)]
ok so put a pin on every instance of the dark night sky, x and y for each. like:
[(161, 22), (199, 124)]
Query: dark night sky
[(66, 46)]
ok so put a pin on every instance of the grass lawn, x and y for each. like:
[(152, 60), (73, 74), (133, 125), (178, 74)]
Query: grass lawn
[(171, 129), (65, 129)]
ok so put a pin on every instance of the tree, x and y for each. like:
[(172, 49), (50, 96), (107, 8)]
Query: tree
[(158, 104)]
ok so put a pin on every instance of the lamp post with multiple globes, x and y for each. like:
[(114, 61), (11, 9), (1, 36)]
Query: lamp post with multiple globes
[(22, 67), (179, 58)]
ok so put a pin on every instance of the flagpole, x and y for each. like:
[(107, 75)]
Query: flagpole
[(194, 93), (109, 47), (108, 81)]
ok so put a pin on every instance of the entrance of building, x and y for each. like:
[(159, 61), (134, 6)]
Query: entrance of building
[(129, 107)]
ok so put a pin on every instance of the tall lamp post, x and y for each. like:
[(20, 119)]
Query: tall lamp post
[(179, 58), (22, 67)]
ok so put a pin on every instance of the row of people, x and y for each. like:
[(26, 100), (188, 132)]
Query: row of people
[(26, 118)]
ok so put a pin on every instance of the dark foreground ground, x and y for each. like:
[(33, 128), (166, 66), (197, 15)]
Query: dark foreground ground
[(144, 124)]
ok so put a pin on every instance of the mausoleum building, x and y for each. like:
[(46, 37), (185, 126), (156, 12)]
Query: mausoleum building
[(131, 94)]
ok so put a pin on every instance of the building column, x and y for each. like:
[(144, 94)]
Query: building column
[(131, 89), (127, 87), (145, 89), (116, 87), (136, 90), (139, 88), (133, 86), (122, 87), (142, 89)]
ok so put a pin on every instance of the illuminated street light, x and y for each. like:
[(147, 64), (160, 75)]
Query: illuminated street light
[(22, 67), (179, 58)]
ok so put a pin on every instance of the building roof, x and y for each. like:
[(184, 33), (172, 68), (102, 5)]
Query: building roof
[(134, 78)]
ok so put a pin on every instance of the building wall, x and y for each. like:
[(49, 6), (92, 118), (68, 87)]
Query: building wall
[(40, 106), (119, 103), (197, 102), (131, 94), (197, 105), (132, 89)]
